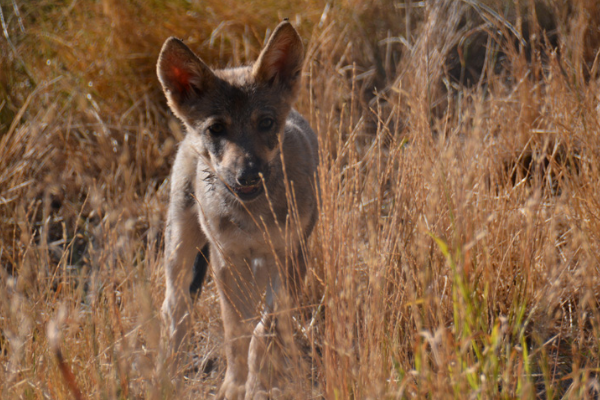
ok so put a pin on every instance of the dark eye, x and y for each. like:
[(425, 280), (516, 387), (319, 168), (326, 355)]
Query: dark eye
[(216, 128), (266, 124)]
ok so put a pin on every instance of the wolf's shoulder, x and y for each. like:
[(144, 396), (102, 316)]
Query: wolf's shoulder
[(299, 136)]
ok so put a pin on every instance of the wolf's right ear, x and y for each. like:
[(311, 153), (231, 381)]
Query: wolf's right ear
[(280, 62), (181, 73)]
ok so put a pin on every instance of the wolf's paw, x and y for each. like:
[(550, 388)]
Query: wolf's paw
[(232, 391), (273, 394)]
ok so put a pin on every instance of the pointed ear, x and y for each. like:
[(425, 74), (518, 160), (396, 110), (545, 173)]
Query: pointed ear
[(280, 62), (182, 74)]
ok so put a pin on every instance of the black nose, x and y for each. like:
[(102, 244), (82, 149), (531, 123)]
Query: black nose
[(249, 178)]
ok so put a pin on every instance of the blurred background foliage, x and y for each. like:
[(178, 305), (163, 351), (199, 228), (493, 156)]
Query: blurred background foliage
[(473, 267)]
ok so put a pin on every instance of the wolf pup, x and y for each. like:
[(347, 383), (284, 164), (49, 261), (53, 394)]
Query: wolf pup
[(243, 183)]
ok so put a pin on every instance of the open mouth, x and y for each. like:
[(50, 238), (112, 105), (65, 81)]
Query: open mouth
[(246, 193)]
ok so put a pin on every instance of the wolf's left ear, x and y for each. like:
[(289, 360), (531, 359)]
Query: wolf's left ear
[(280, 62), (182, 74)]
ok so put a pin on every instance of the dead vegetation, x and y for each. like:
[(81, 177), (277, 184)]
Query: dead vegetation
[(457, 252)]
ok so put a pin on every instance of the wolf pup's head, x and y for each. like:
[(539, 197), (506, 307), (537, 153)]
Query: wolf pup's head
[(237, 114)]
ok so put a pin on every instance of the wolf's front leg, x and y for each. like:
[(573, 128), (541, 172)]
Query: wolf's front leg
[(240, 301), (182, 243), (272, 350), (274, 361)]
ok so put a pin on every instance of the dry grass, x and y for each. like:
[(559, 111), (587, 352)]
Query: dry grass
[(457, 253)]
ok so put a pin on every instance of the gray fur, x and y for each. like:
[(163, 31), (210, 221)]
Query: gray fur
[(241, 126)]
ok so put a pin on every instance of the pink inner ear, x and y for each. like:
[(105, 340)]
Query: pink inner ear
[(279, 61), (279, 57), (181, 78)]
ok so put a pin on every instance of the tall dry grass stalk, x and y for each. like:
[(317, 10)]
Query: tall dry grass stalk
[(458, 244)]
